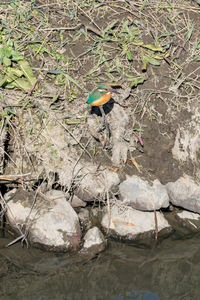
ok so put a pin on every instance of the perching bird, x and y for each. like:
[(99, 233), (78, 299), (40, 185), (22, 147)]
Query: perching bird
[(100, 96)]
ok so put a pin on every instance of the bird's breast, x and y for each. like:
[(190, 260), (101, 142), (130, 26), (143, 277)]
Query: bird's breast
[(102, 100)]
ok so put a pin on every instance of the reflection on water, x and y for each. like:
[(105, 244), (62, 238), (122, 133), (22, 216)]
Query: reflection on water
[(168, 271)]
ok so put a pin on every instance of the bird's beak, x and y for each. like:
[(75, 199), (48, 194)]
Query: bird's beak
[(113, 91)]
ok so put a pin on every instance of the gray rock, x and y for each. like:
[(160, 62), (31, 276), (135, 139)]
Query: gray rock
[(189, 221), (50, 220), (130, 224), (76, 202), (184, 193), (95, 185), (188, 215), (94, 241), (140, 195), (84, 215)]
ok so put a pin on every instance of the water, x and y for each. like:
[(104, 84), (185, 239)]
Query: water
[(168, 271)]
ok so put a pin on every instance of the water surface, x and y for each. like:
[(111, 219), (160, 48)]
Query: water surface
[(168, 271)]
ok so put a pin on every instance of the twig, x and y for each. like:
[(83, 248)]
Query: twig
[(91, 20), (15, 175), (109, 212), (61, 28), (181, 48), (33, 87), (21, 237), (156, 224)]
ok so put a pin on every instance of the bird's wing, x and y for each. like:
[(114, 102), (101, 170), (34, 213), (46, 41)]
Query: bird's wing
[(94, 95)]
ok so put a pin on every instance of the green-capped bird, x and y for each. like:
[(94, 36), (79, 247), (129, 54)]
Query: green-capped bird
[(100, 95)]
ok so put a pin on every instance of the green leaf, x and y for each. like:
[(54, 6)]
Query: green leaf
[(139, 43), (7, 51), (125, 47), (22, 84), (73, 81), (197, 46), (154, 48), (144, 63), (153, 61), (24, 65), (16, 56), (14, 71), (10, 86), (6, 61), (136, 81), (189, 33), (129, 55), (3, 80), (109, 27)]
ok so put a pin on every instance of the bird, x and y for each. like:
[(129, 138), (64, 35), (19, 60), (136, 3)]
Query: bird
[(100, 96)]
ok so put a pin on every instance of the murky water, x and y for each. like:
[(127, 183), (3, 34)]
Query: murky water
[(169, 270)]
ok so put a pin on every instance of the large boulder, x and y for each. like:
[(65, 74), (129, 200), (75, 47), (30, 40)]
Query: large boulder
[(185, 193), (129, 224), (49, 220), (140, 195)]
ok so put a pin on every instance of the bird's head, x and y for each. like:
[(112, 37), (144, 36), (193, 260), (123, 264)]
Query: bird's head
[(104, 88)]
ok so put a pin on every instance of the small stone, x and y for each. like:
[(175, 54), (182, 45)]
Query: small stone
[(94, 240), (188, 215), (189, 220), (83, 215), (76, 202)]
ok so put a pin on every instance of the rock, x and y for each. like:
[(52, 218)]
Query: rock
[(184, 193), (140, 195), (94, 185), (84, 217), (51, 223), (94, 241), (188, 215), (76, 202), (189, 220), (129, 224)]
